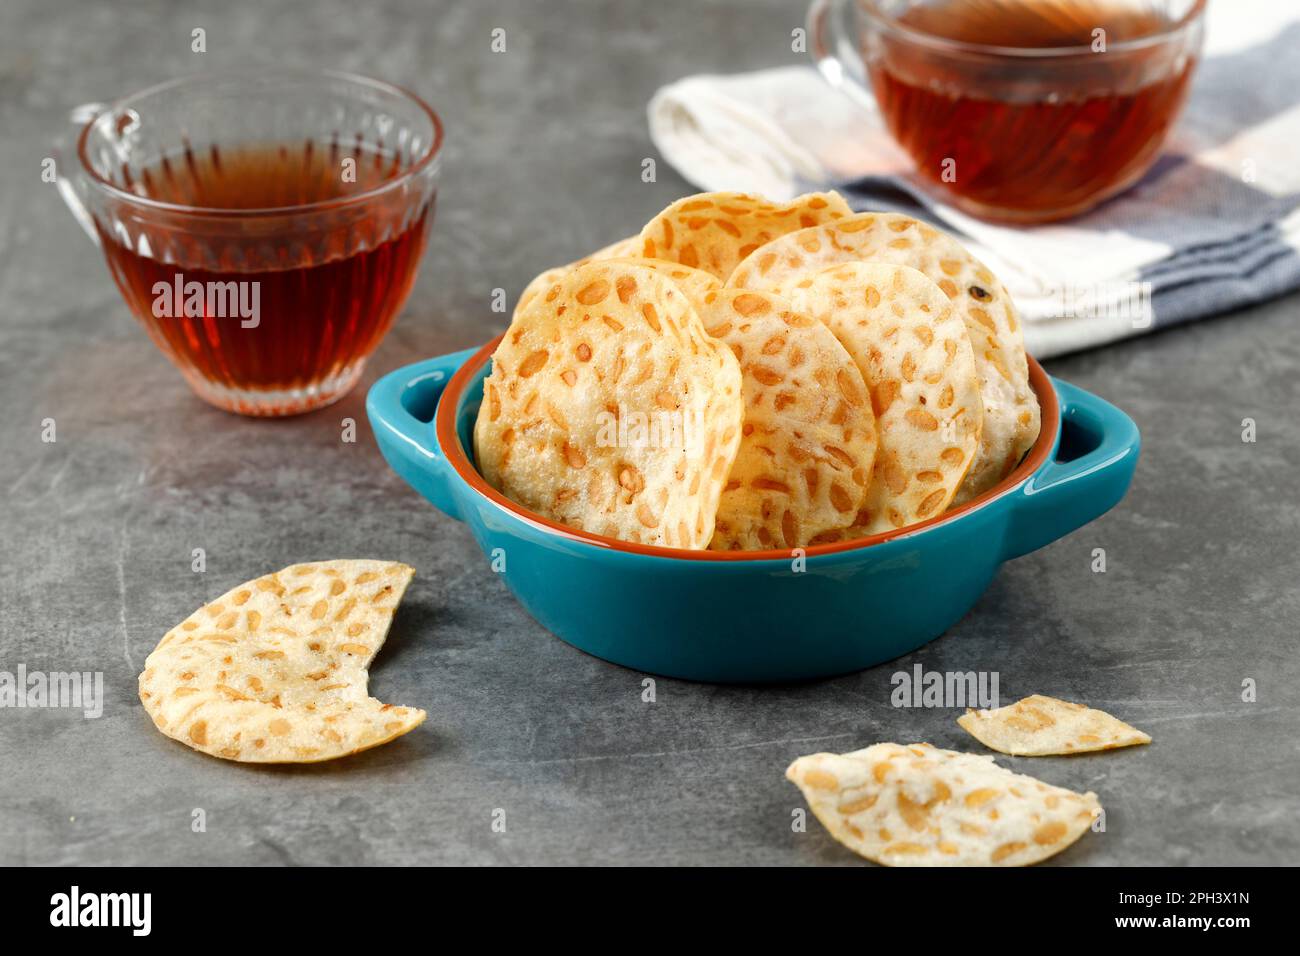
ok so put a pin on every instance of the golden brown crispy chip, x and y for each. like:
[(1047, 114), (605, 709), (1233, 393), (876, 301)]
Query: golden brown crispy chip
[(1011, 412), (609, 409), (920, 806), (809, 438), (275, 670), (1039, 726), (915, 355), (715, 231)]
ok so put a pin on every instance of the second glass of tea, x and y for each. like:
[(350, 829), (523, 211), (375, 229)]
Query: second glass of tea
[(264, 227), (1021, 111)]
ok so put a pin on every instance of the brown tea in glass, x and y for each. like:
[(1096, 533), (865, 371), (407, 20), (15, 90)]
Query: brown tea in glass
[(1028, 110), (266, 267)]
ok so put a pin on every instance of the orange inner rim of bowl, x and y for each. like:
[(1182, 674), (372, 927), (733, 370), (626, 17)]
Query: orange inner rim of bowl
[(445, 423)]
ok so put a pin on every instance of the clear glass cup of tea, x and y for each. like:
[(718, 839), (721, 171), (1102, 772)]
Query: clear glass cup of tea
[(1019, 111), (265, 227)]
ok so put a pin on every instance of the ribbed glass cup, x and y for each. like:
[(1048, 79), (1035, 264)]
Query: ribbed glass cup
[(264, 227)]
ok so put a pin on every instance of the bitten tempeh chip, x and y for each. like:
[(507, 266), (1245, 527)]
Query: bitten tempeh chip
[(809, 438), (920, 806), (1040, 726), (275, 670), (1011, 412), (715, 231), (611, 410)]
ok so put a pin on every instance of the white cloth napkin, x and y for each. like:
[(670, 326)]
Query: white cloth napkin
[(1213, 226)]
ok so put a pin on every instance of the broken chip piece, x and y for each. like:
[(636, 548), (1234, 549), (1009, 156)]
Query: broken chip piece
[(921, 806), (1041, 726)]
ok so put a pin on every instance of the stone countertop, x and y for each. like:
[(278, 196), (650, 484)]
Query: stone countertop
[(1199, 594)]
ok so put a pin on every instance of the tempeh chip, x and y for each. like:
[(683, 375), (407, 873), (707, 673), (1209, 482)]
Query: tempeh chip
[(715, 231), (611, 410), (809, 437), (1039, 726), (1011, 412), (275, 670), (920, 806), (914, 353)]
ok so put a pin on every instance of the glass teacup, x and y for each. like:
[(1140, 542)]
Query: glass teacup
[(264, 227), (1016, 110)]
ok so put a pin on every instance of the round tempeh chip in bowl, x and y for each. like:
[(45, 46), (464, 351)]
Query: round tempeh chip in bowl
[(809, 438), (716, 231), (916, 358), (609, 409), (1011, 411), (275, 670)]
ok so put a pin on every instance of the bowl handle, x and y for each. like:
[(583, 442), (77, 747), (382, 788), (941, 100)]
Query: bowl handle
[(1087, 475), (401, 406)]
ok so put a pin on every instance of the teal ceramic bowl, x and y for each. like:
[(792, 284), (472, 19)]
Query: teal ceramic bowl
[(759, 615)]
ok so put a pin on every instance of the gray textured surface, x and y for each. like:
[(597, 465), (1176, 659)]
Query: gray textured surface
[(1200, 593)]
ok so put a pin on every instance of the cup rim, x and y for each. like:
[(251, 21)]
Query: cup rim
[(448, 439), (869, 8), (430, 155)]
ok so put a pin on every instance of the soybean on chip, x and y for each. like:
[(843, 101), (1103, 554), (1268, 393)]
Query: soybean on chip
[(916, 358), (1039, 726), (809, 438), (609, 409), (715, 231), (921, 806), (276, 670)]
